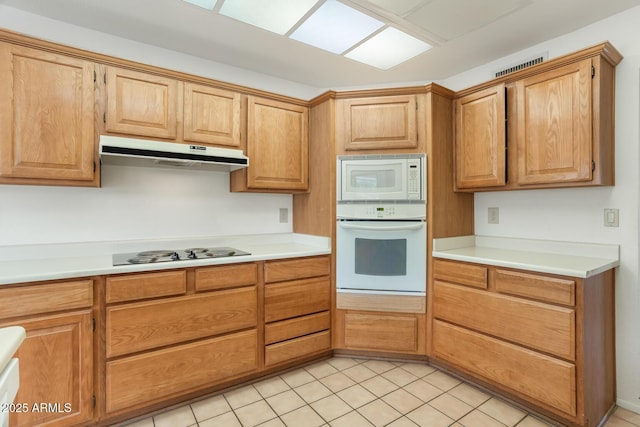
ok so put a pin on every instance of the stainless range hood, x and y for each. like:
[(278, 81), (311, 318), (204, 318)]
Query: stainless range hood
[(143, 152)]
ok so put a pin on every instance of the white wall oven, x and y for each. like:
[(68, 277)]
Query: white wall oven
[(381, 243)]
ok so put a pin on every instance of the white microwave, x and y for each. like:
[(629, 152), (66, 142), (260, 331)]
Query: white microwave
[(389, 178)]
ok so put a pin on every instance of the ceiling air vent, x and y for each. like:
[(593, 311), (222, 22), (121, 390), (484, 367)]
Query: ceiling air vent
[(537, 59)]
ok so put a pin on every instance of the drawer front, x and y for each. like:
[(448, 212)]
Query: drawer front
[(296, 298), (292, 349), (543, 378), (299, 268), (166, 373), (463, 274), (146, 325), (45, 298), (541, 326), (226, 276), (381, 332), (297, 327), (149, 285), (542, 288)]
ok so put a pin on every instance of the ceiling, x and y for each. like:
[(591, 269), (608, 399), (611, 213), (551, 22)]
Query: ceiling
[(465, 34)]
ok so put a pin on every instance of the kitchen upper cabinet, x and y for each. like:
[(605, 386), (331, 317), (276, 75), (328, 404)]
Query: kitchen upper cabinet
[(377, 123), (277, 146), (559, 126), (211, 116), (46, 118), (56, 358), (141, 103), (553, 125), (480, 139)]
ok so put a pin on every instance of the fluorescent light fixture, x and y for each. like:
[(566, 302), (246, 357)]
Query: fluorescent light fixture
[(388, 48), (277, 16), (335, 27), (207, 4)]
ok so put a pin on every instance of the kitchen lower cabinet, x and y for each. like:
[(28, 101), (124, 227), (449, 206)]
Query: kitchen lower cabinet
[(172, 333), (56, 358), (170, 372), (297, 302), (46, 118), (544, 340)]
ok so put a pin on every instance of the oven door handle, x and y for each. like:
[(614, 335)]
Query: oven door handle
[(415, 226)]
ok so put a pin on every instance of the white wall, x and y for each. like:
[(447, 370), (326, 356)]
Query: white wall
[(577, 214), (138, 203)]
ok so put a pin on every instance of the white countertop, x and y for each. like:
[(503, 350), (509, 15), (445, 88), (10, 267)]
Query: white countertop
[(554, 257), (31, 263), (10, 340)]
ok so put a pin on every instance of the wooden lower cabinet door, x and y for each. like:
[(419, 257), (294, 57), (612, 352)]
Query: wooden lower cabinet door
[(388, 332), (56, 366), (547, 380), (151, 377)]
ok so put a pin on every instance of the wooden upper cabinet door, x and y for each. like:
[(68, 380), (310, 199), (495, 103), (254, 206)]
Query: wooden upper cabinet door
[(141, 104), (277, 145), (211, 116), (379, 123), (553, 127), (480, 139), (46, 116)]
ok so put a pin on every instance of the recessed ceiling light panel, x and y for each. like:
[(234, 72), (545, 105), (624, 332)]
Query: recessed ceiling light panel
[(335, 27), (277, 16), (388, 48), (207, 4)]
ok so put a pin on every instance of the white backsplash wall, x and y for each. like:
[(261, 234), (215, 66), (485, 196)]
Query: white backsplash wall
[(138, 203), (578, 214)]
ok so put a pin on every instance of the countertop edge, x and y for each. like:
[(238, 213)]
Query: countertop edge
[(291, 245), (10, 338), (584, 260)]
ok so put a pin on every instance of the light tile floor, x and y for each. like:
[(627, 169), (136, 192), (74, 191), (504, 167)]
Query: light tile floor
[(349, 392)]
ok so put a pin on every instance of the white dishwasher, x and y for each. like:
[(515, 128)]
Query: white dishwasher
[(10, 340)]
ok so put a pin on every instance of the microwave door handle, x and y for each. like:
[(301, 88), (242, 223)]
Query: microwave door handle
[(416, 226)]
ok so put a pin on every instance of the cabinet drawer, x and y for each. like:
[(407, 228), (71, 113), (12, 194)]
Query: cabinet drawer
[(292, 328), (299, 268), (45, 298), (145, 325), (296, 298), (541, 326), (166, 373), (542, 288), (381, 332), (543, 378), (292, 349), (148, 285), (226, 276), (463, 274)]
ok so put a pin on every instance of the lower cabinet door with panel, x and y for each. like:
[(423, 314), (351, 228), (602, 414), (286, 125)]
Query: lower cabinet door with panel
[(56, 358), (297, 302), (542, 339)]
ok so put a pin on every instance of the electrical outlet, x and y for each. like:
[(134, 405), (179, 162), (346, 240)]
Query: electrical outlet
[(284, 215), (611, 217), (493, 215)]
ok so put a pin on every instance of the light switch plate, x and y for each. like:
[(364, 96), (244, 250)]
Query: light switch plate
[(284, 215), (611, 217), (493, 216)]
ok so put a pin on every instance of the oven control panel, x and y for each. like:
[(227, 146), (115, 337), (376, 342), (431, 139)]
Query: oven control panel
[(381, 211)]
